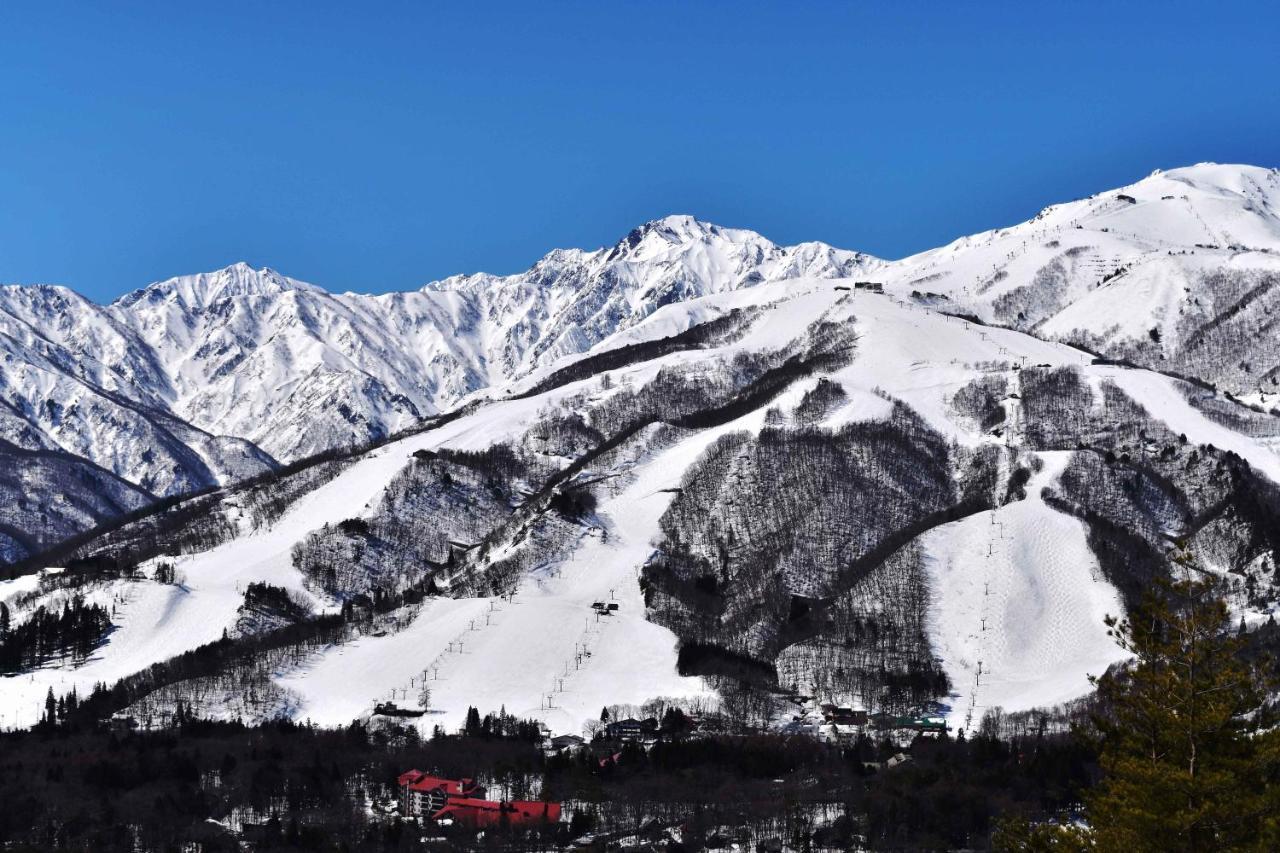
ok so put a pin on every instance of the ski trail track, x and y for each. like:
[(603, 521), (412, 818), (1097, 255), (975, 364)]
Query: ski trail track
[(542, 653), (1017, 606)]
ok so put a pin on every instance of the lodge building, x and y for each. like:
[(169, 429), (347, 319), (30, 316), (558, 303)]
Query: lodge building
[(463, 801)]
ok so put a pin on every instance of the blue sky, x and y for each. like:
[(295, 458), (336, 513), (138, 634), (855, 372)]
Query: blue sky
[(378, 148)]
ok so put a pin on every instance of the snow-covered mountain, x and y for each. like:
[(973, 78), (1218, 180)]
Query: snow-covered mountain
[(203, 380), (787, 480), (817, 487), (296, 369), (85, 431), (1179, 271), (207, 379)]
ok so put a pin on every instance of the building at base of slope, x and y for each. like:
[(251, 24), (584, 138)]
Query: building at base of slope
[(463, 801)]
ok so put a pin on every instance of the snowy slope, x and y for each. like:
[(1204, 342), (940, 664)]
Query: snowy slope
[(519, 650), (289, 367), (1018, 607), (541, 653), (157, 621), (1178, 271), (78, 381)]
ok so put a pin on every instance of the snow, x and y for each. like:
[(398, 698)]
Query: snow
[(1160, 397), (922, 357), (342, 683), (11, 589), (1017, 606), (158, 621), (523, 653), (1061, 267), (1135, 303), (253, 354)]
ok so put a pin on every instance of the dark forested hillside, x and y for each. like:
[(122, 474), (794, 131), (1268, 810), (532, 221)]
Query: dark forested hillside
[(773, 537), (288, 787)]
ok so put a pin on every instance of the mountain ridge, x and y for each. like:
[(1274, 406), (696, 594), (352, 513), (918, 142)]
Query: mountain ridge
[(883, 484), (272, 368), (801, 494)]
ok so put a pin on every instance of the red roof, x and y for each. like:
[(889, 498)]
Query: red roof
[(416, 780), (488, 812), (465, 802)]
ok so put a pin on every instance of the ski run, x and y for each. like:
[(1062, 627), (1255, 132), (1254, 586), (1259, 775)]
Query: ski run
[(1016, 596)]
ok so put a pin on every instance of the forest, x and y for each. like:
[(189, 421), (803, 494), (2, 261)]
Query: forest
[(283, 786), (70, 633)]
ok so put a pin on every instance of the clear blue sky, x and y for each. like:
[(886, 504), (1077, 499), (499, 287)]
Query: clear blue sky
[(378, 148)]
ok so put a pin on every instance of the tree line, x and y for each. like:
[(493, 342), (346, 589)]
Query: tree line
[(71, 632)]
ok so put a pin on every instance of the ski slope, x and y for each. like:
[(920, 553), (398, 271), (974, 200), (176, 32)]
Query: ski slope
[(1159, 395), (542, 654), (1017, 606), (156, 621), (11, 589)]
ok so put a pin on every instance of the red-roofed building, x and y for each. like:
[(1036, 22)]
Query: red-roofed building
[(462, 800)]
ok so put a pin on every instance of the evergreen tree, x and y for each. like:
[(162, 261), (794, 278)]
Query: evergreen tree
[(472, 726), (1187, 758), (73, 631), (164, 573), (1190, 758)]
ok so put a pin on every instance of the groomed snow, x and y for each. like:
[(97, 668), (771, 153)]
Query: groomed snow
[(11, 589), (1017, 606), (525, 654), (156, 621)]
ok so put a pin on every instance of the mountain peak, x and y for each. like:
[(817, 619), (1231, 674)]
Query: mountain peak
[(202, 289), (1234, 179), (678, 229), (680, 226)]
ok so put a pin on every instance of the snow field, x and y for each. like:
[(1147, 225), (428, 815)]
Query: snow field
[(157, 621), (542, 654), (922, 357), (1017, 606), (11, 589)]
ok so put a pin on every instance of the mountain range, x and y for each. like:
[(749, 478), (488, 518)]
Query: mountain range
[(208, 379), (205, 380), (795, 470)]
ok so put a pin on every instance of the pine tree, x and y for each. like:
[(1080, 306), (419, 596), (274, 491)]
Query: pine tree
[(1186, 755), (1188, 752), (472, 726)]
